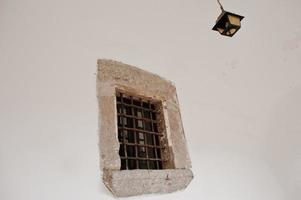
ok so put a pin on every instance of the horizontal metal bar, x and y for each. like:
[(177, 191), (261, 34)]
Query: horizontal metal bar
[(144, 145), (134, 117), (139, 158), (139, 107), (140, 130)]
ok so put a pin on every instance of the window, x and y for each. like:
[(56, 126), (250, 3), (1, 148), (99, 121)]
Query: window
[(141, 137), (138, 133)]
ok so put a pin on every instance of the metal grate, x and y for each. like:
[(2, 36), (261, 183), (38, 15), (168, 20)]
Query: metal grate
[(138, 133)]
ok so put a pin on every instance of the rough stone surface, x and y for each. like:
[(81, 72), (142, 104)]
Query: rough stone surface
[(112, 76), (136, 182)]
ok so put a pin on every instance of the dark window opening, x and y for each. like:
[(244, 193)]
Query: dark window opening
[(138, 133)]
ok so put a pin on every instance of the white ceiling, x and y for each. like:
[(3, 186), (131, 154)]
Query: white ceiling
[(240, 96)]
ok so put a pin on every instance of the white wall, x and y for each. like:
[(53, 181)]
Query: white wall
[(240, 97)]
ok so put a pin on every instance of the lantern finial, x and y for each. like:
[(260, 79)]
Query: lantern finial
[(221, 6)]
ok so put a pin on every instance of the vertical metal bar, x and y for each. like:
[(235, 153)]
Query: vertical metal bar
[(159, 149), (153, 135), (123, 131), (145, 137), (135, 134)]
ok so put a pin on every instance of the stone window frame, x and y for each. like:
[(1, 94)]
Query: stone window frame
[(177, 174)]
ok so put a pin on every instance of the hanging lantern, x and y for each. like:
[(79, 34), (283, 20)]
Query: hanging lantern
[(227, 23)]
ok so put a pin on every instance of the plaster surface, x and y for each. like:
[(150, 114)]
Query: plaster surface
[(239, 97)]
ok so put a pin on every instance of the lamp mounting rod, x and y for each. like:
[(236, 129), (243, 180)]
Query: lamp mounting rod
[(221, 6)]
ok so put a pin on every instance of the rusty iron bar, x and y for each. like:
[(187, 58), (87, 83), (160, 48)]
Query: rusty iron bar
[(150, 134)]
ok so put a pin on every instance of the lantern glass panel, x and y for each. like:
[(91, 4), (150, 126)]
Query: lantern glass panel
[(234, 20), (231, 31), (221, 30)]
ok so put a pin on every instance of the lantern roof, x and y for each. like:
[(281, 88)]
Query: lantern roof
[(223, 16)]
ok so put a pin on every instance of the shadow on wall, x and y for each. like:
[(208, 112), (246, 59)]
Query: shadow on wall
[(284, 143)]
